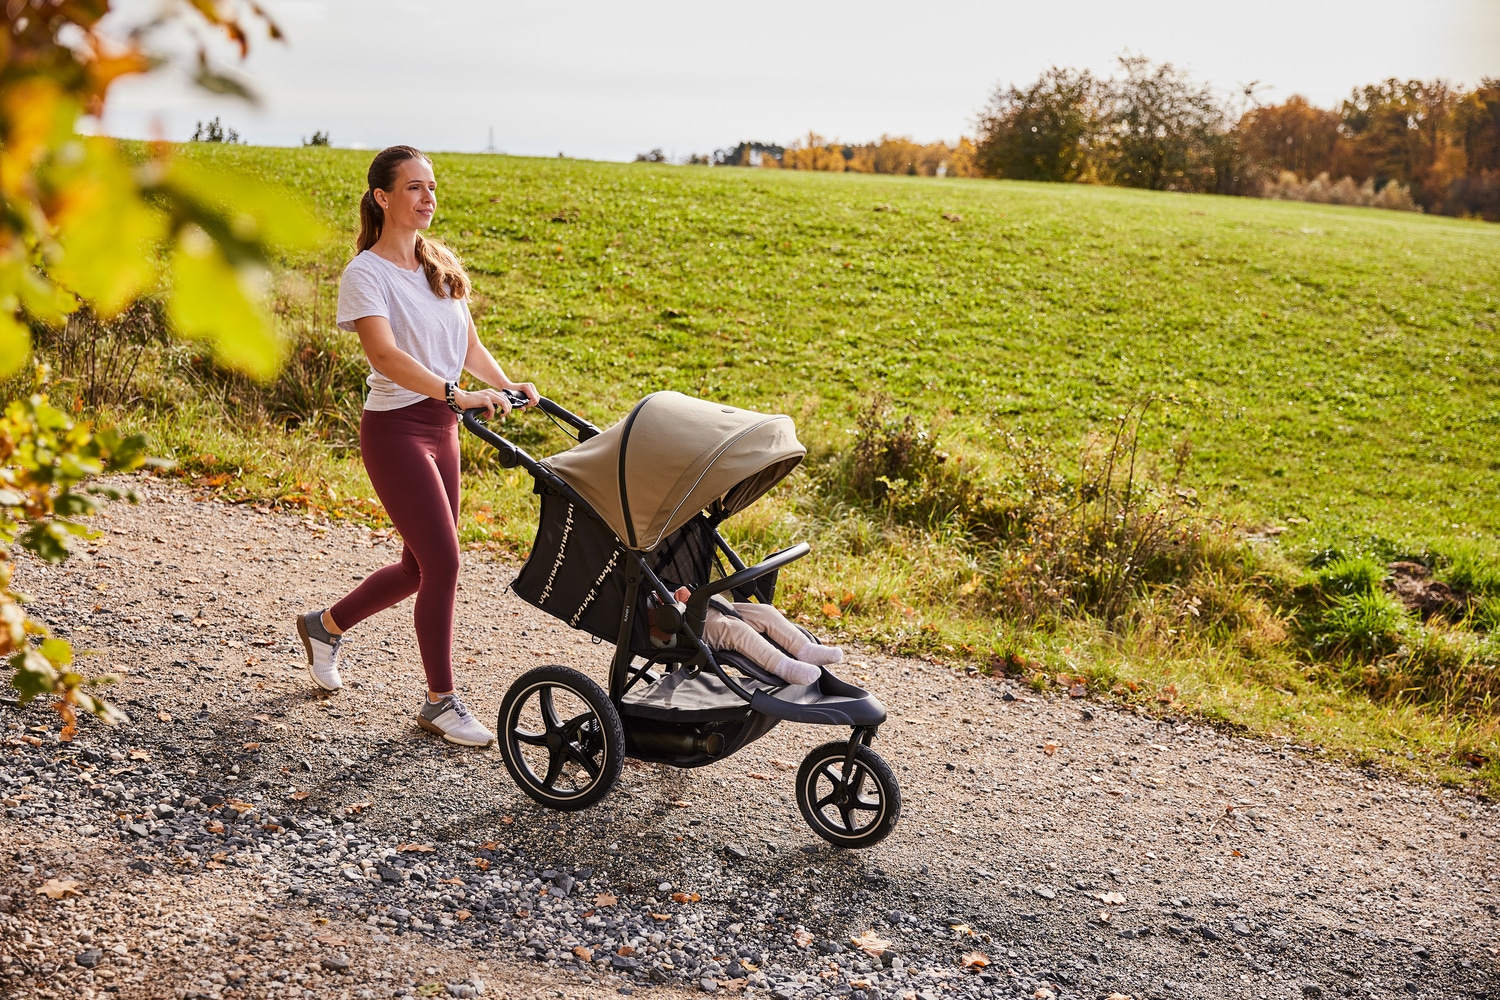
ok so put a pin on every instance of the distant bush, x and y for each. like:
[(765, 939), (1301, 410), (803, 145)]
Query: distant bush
[(214, 132), (318, 139), (887, 155), (655, 156), (1344, 191)]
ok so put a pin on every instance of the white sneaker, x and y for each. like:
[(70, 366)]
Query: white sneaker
[(450, 719), (322, 651)]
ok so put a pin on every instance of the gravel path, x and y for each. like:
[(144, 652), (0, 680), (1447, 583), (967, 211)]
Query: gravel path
[(245, 837)]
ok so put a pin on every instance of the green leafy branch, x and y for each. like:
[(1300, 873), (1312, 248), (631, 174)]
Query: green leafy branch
[(44, 457)]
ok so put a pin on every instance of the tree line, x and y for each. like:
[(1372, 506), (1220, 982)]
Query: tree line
[(1415, 145)]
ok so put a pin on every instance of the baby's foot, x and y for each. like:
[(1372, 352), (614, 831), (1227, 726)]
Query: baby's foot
[(795, 671), (812, 652)]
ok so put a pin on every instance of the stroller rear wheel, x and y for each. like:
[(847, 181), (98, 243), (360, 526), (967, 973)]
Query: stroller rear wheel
[(855, 812), (561, 738)]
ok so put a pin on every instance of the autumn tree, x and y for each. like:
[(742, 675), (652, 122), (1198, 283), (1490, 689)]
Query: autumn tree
[(1164, 131), (1044, 132), (1293, 136)]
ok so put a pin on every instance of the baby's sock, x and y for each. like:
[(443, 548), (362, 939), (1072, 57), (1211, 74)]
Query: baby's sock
[(812, 652), (795, 671)]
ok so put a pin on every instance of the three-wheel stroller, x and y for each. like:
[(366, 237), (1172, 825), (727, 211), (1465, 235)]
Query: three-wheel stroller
[(633, 511)]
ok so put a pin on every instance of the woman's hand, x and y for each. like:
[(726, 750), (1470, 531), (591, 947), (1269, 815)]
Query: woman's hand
[(488, 400), (528, 389)]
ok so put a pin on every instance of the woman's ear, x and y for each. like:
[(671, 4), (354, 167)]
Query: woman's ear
[(380, 199)]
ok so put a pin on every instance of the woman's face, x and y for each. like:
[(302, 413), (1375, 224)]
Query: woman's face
[(413, 199)]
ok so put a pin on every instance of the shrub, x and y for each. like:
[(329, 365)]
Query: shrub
[(1344, 191), (96, 361), (1050, 544)]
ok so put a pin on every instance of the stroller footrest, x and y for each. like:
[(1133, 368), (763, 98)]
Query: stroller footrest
[(827, 701)]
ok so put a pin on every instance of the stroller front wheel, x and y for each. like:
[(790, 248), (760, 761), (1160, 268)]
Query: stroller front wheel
[(561, 738), (856, 811)]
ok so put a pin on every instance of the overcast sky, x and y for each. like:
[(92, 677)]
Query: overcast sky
[(607, 80)]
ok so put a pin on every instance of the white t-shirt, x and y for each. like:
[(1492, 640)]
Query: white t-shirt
[(433, 330)]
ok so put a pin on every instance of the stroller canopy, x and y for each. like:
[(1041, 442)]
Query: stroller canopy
[(673, 456)]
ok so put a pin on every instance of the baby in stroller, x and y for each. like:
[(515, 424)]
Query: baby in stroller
[(744, 628)]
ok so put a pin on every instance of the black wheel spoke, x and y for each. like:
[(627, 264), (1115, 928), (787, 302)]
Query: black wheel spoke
[(827, 801), (548, 710), (849, 826), (583, 760), (530, 739), (554, 768)]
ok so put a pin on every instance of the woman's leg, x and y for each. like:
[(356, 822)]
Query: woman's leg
[(765, 618), (413, 466)]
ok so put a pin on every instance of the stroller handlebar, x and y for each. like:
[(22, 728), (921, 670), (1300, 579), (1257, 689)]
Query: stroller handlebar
[(698, 602), (510, 455)]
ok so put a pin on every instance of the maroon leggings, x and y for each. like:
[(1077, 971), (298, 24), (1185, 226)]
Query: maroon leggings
[(411, 455)]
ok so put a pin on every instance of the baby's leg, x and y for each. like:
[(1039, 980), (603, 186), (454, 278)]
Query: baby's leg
[(722, 631), (765, 618)]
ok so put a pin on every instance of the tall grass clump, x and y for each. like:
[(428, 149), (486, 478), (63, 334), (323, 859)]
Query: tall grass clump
[(1467, 567), (1350, 576), (1046, 544)]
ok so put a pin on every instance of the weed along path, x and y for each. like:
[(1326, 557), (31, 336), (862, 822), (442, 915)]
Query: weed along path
[(244, 837)]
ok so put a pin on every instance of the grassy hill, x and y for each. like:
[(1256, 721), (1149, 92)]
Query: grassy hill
[(1336, 372), (1330, 364)]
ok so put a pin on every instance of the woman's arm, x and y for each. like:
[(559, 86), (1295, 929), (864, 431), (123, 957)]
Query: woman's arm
[(379, 343), (479, 362)]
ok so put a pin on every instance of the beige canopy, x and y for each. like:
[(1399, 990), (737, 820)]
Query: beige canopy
[(674, 456)]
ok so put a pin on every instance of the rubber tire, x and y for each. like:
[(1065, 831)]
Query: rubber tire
[(604, 746), (826, 764)]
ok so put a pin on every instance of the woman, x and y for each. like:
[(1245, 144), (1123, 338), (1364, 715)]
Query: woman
[(407, 298)]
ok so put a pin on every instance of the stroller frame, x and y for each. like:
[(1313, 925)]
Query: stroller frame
[(689, 705)]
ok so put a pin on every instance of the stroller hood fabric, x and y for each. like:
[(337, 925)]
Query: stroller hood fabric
[(674, 456)]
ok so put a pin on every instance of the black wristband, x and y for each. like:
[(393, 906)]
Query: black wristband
[(450, 393)]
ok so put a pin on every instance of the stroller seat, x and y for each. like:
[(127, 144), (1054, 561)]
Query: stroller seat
[(684, 696)]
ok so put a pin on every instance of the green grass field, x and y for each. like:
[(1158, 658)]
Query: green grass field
[(1335, 365), (1336, 370)]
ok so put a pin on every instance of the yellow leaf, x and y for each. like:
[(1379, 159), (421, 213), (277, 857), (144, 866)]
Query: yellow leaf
[(15, 337), (1115, 898), (870, 943), (211, 301), (975, 960), (105, 232), (605, 899), (57, 888), (583, 953), (255, 211)]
